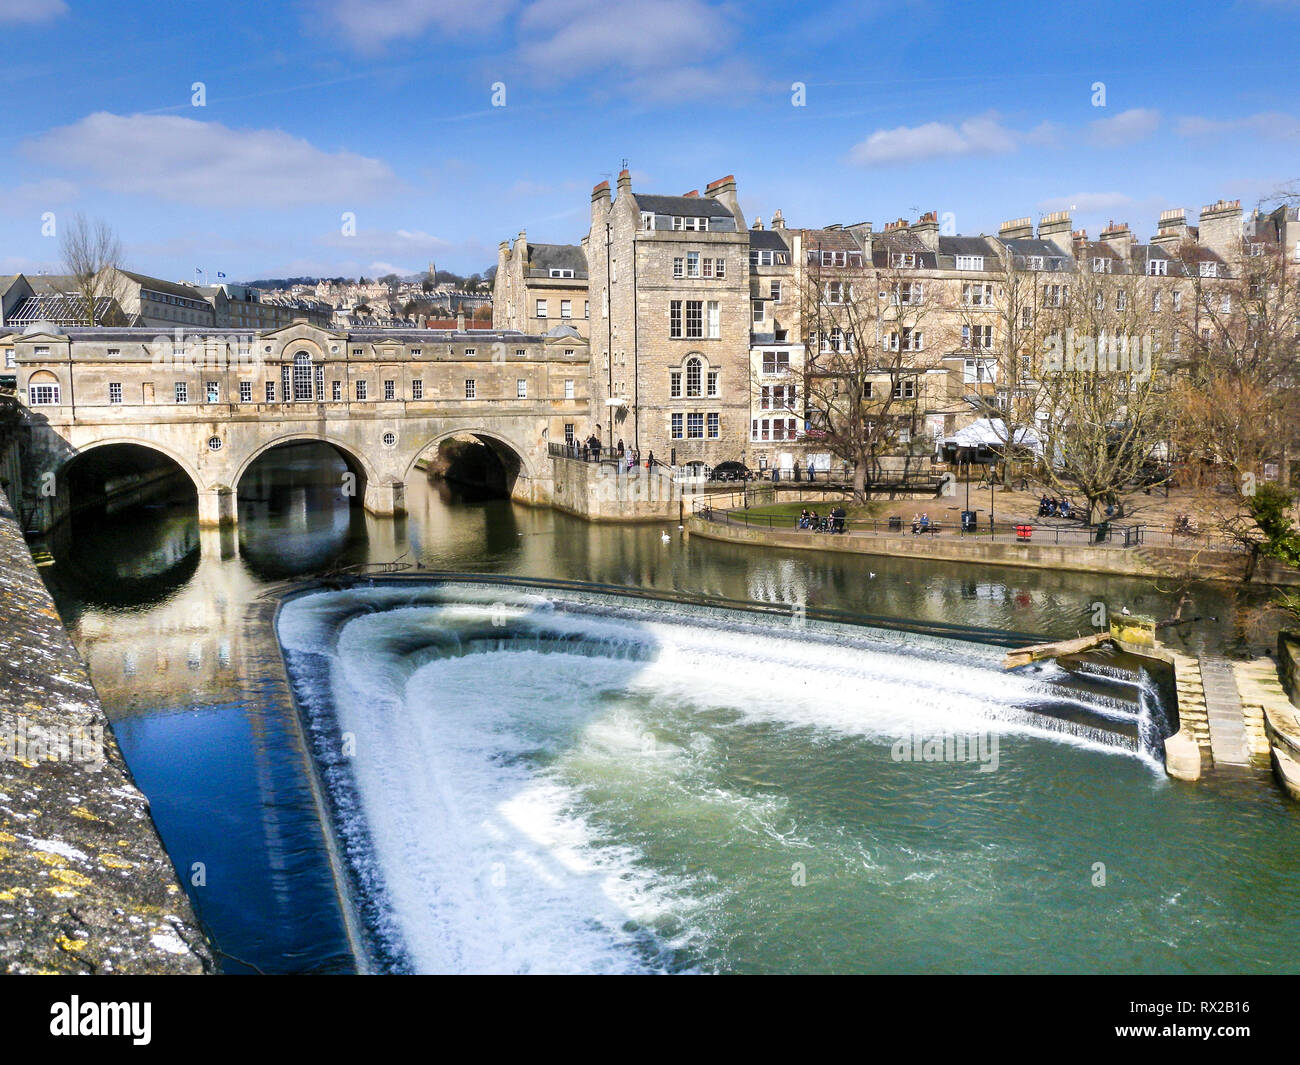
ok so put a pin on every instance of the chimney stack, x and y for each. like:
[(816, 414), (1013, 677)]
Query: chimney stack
[(926, 229), (1017, 229), (778, 219), (724, 191), (1172, 229), (1220, 228), (1055, 226), (1119, 237)]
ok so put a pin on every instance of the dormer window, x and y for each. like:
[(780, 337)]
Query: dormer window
[(1209, 269), (690, 223), (970, 262), (1157, 267), (556, 272), (1034, 262), (903, 259), (1101, 265), (647, 220)]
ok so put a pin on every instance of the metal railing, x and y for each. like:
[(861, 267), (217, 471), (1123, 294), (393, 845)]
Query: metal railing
[(896, 525)]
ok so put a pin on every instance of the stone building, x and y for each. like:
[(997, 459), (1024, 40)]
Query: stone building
[(539, 286), (700, 326), (671, 316)]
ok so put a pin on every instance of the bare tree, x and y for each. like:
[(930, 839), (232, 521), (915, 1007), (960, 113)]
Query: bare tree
[(866, 359), (1103, 389), (92, 257), (1239, 389)]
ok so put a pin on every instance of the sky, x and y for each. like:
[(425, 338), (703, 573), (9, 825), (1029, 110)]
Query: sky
[(346, 137)]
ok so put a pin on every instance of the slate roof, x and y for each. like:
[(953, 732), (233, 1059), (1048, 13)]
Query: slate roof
[(46, 284), (968, 246), (547, 257), (767, 240), (686, 206), (170, 288)]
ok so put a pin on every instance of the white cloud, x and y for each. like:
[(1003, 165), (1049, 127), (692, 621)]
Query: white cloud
[(636, 34), (208, 164), (982, 135), (39, 195), (31, 10), (1128, 127), (1086, 202), (653, 50), (1264, 124), (370, 25)]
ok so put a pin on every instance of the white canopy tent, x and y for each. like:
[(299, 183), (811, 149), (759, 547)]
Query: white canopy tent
[(986, 433)]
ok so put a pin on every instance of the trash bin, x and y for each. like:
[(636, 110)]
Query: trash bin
[(968, 521)]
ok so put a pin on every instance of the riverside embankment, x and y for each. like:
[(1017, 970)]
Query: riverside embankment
[(950, 546), (85, 885)]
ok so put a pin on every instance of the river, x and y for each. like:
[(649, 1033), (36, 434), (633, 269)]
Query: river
[(503, 814)]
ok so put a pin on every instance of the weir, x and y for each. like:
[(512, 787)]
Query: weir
[(374, 660)]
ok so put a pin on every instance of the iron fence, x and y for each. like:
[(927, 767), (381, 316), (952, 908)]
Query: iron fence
[(897, 525)]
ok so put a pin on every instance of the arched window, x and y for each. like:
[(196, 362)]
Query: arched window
[(303, 379), (694, 377), (42, 389)]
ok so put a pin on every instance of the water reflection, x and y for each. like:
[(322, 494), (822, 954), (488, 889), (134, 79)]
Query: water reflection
[(181, 652)]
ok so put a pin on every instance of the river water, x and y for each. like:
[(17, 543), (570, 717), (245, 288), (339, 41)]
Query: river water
[(550, 781)]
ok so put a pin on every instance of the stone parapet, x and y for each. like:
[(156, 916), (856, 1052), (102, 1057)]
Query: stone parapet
[(85, 884)]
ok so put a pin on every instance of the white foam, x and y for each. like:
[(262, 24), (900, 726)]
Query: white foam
[(473, 770)]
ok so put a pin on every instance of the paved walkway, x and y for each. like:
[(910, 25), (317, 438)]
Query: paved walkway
[(1223, 705)]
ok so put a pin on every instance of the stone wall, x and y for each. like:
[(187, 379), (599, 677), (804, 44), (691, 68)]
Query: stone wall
[(600, 492), (85, 885), (1130, 562)]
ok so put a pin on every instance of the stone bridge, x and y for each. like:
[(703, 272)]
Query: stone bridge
[(214, 402)]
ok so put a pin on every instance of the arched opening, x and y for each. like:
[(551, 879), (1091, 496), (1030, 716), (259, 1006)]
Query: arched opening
[(43, 390), (472, 466), (300, 505), (128, 522)]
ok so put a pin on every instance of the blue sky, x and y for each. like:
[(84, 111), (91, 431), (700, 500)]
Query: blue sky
[(383, 108)]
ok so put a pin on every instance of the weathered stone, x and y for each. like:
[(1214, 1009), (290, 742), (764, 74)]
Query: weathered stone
[(85, 885)]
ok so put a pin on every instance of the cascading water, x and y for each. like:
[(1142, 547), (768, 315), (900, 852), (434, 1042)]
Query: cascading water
[(522, 782)]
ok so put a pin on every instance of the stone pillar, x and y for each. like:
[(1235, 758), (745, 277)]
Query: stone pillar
[(217, 506), (386, 498)]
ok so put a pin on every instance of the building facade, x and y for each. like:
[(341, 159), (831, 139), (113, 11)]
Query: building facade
[(540, 286)]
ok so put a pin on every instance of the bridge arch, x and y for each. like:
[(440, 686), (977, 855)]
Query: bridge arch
[(148, 445), (355, 460), (494, 440)]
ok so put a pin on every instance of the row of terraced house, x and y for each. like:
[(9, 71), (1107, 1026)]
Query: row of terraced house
[(715, 341)]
